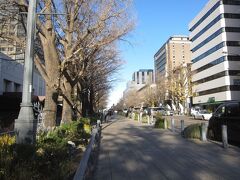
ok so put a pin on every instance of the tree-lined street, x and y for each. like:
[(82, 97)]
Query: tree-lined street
[(130, 150)]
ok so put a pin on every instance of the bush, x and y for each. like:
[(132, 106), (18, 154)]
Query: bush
[(50, 158), (159, 123), (136, 116), (158, 115), (144, 119), (193, 131)]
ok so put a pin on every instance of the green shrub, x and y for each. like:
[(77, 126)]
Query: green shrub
[(158, 116), (144, 119), (193, 131), (49, 158), (136, 116), (159, 123)]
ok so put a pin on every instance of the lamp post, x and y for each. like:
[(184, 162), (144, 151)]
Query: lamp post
[(25, 125)]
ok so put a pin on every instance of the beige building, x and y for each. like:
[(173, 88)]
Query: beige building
[(10, 25), (174, 53), (170, 64)]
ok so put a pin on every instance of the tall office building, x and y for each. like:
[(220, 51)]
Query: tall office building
[(174, 53), (215, 36)]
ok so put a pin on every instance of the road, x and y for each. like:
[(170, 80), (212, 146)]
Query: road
[(134, 151)]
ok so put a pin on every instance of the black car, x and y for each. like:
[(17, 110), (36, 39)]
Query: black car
[(226, 114)]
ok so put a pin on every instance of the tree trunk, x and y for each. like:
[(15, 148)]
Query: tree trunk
[(91, 101), (66, 112), (67, 104), (50, 107), (85, 104), (52, 65)]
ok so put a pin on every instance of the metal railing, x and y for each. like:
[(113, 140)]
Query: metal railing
[(89, 159), (11, 133)]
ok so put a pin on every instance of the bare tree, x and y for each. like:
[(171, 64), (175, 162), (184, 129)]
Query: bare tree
[(70, 32)]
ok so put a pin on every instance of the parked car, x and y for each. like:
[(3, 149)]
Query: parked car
[(168, 112), (203, 114), (195, 110), (154, 110), (226, 114)]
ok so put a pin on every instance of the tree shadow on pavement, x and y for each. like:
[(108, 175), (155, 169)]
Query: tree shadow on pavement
[(130, 150)]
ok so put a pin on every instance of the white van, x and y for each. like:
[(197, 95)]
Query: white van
[(195, 110)]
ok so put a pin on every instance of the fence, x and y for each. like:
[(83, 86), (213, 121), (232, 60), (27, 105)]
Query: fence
[(11, 133), (89, 159)]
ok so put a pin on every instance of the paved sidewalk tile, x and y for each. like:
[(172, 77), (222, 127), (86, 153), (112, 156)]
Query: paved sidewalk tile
[(130, 150)]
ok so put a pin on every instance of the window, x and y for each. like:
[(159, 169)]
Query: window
[(231, 2), (211, 64), (205, 16), (7, 85), (137, 77), (220, 89), (3, 49), (210, 51), (207, 27), (208, 39), (143, 79), (225, 15), (233, 110), (10, 49), (17, 87), (220, 111)]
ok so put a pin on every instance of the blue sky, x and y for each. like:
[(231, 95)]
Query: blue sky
[(157, 20)]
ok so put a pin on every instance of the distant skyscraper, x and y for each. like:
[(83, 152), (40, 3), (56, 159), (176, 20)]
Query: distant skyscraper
[(215, 36), (140, 79)]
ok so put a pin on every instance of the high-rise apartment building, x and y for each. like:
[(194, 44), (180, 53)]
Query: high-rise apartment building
[(215, 36), (174, 53)]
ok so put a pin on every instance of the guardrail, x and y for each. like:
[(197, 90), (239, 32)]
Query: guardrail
[(11, 133), (89, 159)]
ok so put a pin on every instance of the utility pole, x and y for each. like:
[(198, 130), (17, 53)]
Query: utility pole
[(25, 125)]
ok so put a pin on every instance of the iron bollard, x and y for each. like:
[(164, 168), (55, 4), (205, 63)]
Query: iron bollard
[(141, 117), (148, 118), (151, 119), (138, 118), (165, 123), (224, 136), (133, 115), (203, 132), (182, 126), (98, 124), (172, 125)]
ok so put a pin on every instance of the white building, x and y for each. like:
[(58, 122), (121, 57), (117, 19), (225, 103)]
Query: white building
[(215, 36), (11, 77), (139, 79)]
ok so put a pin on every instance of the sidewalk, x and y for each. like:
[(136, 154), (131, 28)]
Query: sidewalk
[(133, 151)]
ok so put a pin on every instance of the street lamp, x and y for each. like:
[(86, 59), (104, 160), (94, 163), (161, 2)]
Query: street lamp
[(25, 125)]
